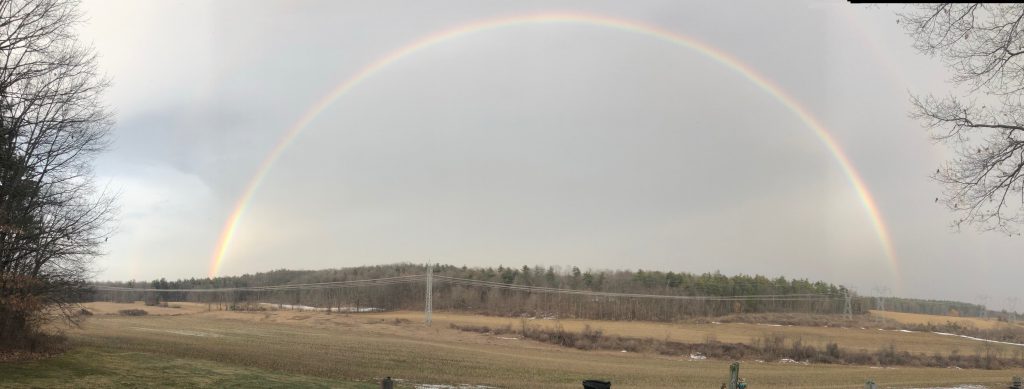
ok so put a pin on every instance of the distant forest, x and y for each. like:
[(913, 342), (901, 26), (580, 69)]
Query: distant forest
[(498, 301)]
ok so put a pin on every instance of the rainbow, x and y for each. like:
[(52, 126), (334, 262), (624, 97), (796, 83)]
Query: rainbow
[(231, 225)]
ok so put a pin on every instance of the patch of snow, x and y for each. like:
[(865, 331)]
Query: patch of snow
[(787, 360), (624, 351), (502, 337), (697, 357), (318, 309), (979, 339)]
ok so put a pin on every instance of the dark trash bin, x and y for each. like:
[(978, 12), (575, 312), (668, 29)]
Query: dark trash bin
[(387, 383), (595, 384)]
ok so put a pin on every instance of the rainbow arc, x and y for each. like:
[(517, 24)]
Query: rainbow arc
[(624, 25)]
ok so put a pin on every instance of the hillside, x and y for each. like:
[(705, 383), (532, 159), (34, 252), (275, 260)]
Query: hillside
[(709, 293)]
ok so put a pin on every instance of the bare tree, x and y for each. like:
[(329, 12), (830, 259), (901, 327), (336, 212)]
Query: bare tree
[(984, 126), (52, 124)]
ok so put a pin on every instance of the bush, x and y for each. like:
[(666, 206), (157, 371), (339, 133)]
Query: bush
[(133, 312), (32, 346)]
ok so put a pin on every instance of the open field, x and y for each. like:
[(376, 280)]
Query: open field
[(916, 318), (312, 349), (867, 339)]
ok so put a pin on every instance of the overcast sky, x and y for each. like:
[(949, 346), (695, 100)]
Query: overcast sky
[(545, 144)]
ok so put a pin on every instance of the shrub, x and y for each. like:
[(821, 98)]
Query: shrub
[(771, 347), (132, 312)]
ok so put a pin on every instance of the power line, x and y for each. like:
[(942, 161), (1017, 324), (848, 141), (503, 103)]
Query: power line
[(428, 306), (317, 285), (470, 282), (541, 289)]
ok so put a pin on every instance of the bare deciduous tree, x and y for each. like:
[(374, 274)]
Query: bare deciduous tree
[(982, 44), (52, 124)]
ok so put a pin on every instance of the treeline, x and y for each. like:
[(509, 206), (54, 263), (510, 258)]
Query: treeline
[(702, 288), (933, 307)]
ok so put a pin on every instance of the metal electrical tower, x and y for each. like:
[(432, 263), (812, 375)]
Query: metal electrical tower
[(984, 307), (849, 307), (428, 308), (880, 292), (1012, 303)]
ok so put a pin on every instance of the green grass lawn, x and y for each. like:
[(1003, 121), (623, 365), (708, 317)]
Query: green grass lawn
[(95, 367)]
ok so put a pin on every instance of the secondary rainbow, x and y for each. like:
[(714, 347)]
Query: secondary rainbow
[(231, 225)]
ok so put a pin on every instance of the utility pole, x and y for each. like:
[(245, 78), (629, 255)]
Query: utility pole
[(984, 305), (1012, 302), (849, 307), (880, 293), (428, 308)]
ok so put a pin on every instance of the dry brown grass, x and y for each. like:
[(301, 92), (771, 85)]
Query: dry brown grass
[(368, 346), (916, 318), (867, 339)]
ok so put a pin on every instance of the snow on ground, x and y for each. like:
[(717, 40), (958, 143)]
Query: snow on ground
[(318, 309), (787, 360), (961, 336), (978, 339)]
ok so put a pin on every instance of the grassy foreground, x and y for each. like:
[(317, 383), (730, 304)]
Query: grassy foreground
[(91, 367), (192, 348)]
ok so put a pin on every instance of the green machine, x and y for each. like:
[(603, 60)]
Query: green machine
[(735, 382)]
